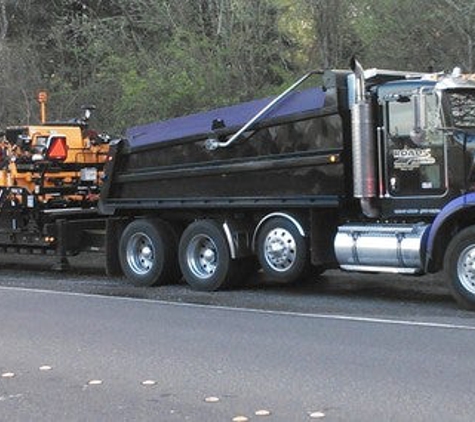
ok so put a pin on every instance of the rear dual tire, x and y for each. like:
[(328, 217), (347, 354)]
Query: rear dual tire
[(204, 257), (147, 253)]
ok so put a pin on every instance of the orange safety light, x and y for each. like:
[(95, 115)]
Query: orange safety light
[(57, 148), (42, 97)]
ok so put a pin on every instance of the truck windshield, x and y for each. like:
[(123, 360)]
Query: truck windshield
[(462, 108)]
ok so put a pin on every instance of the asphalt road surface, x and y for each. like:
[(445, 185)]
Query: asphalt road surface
[(381, 296), (78, 346)]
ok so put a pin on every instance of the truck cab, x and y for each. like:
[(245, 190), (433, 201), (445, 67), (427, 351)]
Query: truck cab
[(416, 184), (423, 146)]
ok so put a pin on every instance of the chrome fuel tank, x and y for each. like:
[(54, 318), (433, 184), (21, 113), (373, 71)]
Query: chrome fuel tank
[(396, 248)]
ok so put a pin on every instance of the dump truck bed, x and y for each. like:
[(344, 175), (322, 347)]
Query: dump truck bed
[(291, 155)]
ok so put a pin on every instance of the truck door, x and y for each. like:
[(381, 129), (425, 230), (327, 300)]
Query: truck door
[(415, 158)]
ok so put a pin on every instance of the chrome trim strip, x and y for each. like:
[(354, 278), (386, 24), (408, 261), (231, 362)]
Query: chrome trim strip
[(375, 269), (68, 210), (381, 154), (229, 238)]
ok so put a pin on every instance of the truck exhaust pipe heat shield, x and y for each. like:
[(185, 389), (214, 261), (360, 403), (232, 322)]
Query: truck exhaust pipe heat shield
[(364, 146)]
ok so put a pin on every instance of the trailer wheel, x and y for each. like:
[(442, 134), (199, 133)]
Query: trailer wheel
[(282, 251), (459, 266), (147, 253), (204, 257)]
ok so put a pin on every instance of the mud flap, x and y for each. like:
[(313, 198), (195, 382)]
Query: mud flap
[(114, 228)]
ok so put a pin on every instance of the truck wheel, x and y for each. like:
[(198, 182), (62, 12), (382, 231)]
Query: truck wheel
[(147, 253), (282, 251), (459, 266), (204, 257)]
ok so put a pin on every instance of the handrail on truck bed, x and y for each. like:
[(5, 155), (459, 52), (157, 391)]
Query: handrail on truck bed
[(213, 144)]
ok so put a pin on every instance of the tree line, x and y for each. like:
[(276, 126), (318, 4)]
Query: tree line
[(146, 60)]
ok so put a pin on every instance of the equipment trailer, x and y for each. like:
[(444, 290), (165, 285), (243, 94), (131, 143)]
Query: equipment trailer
[(371, 172), (50, 177)]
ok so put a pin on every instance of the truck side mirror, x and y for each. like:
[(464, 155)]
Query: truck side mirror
[(418, 132)]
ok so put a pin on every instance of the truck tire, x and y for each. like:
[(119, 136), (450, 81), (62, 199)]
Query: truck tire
[(282, 251), (147, 253), (204, 257), (459, 266)]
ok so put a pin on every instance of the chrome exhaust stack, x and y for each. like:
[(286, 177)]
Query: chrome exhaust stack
[(364, 145)]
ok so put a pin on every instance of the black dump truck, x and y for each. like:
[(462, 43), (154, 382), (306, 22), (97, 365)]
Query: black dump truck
[(373, 171)]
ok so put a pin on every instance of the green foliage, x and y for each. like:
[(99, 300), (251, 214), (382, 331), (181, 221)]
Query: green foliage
[(143, 60)]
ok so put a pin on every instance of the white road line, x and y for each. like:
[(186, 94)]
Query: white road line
[(350, 318)]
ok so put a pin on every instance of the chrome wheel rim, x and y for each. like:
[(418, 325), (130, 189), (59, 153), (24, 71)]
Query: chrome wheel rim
[(140, 253), (280, 250), (202, 256), (466, 269)]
